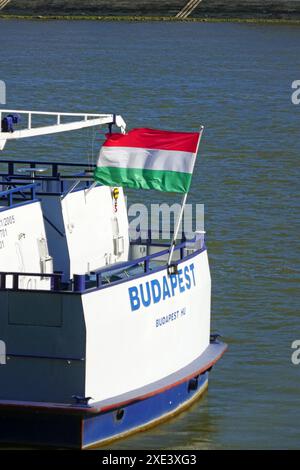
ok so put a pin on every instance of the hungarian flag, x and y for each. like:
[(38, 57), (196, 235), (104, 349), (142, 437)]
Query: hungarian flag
[(148, 159)]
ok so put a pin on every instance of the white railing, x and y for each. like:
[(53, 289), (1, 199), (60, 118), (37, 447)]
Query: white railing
[(188, 9), (79, 121), (3, 3)]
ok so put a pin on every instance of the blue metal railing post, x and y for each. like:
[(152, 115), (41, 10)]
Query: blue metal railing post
[(15, 284), (10, 168), (57, 281), (147, 265), (3, 281), (54, 170), (79, 283), (99, 280)]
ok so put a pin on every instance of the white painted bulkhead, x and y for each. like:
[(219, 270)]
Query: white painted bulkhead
[(23, 245), (88, 230), (127, 349)]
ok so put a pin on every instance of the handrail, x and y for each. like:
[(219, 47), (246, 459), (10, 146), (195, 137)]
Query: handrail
[(79, 280), (129, 264), (146, 236), (9, 192), (12, 178), (55, 277), (53, 166), (16, 190), (55, 172), (41, 162)]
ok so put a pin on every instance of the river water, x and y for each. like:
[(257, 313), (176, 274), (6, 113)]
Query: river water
[(236, 80)]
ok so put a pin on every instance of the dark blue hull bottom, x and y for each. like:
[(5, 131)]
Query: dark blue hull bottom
[(42, 428)]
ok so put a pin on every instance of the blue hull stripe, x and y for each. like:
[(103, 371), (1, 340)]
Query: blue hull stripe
[(113, 425), (60, 430)]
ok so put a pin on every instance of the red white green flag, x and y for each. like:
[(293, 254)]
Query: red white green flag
[(148, 159)]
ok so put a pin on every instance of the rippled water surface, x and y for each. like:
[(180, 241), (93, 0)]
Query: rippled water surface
[(236, 80)]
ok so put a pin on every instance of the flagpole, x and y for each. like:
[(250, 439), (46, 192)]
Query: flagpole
[(173, 243), (183, 203)]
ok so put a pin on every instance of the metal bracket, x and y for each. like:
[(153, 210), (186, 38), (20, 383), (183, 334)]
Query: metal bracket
[(214, 337), (172, 269), (83, 401)]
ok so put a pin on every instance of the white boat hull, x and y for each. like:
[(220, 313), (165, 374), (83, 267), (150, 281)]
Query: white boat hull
[(144, 329)]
